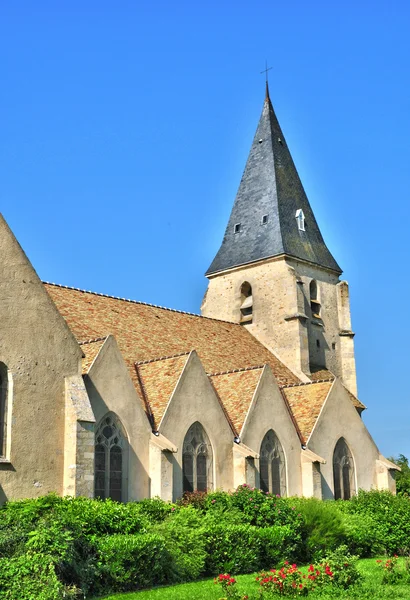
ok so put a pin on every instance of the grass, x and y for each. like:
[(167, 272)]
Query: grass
[(371, 588)]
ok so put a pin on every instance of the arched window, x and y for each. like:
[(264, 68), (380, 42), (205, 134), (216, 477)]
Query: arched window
[(246, 303), (343, 471), (314, 299), (272, 465), (197, 460), (110, 447), (3, 409)]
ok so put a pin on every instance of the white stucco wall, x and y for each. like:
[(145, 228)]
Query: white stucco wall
[(194, 399), (339, 418), (269, 411), (111, 389)]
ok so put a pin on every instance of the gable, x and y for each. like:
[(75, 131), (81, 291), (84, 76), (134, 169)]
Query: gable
[(306, 402), (158, 380), (236, 390)]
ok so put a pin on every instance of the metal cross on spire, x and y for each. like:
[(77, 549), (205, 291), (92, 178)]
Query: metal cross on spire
[(266, 71)]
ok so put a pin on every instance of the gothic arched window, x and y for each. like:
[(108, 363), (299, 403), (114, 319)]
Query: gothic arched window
[(110, 467), (343, 471), (3, 409), (246, 303), (272, 465), (197, 460)]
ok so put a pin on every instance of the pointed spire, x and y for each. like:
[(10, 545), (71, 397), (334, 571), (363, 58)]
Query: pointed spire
[(263, 221), (267, 97)]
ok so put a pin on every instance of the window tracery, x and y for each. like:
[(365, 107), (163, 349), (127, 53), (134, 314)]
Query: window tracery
[(272, 465), (196, 460), (3, 409), (109, 458), (343, 471)]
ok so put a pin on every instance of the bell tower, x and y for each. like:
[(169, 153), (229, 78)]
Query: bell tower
[(274, 274)]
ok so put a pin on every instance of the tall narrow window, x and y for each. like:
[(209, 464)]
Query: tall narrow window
[(272, 465), (110, 448), (246, 303), (343, 471), (196, 460), (3, 409), (314, 299)]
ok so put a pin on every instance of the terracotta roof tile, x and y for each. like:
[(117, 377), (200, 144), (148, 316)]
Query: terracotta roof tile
[(356, 402), (306, 402), (236, 391), (90, 349), (145, 332), (320, 373), (159, 379)]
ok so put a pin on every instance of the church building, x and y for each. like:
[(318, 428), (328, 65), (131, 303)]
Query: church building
[(107, 397)]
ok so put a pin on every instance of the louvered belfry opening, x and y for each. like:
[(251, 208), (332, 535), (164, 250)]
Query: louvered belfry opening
[(246, 303), (110, 448), (343, 471), (272, 466), (197, 460)]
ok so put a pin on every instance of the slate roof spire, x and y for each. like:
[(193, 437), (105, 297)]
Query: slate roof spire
[(263, 220)]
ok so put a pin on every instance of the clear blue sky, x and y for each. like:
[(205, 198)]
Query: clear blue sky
[(125, 128)]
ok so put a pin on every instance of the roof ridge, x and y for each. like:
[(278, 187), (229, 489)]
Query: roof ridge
[(151, 360), (184, 312), (289, 385), (91, 341), (236, 370)]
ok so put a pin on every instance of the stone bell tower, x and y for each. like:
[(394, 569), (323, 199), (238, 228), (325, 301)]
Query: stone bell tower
[(274, 274)]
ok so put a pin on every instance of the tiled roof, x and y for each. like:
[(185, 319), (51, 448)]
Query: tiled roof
[(236, 390), (356, 402), (158, 379), (90, 349), (320, 373), (306, 402), (144, 332)]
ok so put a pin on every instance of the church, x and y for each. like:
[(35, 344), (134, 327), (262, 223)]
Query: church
[(108, 397)]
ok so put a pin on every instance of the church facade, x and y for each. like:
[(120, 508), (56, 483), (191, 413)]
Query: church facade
[(108, 397)]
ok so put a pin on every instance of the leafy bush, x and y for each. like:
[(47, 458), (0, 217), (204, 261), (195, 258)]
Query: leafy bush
[(343, 565), (231, 548), (153, 509), (129, 562), (185, 543), (323, 528), (391, 515), (276, 544), (32, 576), (362, 535)]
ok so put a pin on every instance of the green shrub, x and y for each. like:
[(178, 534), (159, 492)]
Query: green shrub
[(362, 535), (343, 565), (99, 517), (185, 543), (154, 509), (276, 545), (323, 528), (129, 562), (231, 549), (390, 513), (32, 576)]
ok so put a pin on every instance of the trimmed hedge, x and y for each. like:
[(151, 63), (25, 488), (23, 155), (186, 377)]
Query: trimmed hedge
[(130, 562), (52, 548)]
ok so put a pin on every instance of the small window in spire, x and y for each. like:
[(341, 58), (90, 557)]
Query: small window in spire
[(264, 219), (237, 228), (300, 219)]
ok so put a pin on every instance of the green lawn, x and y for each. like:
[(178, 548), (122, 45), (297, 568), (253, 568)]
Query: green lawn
[(371, 588)]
